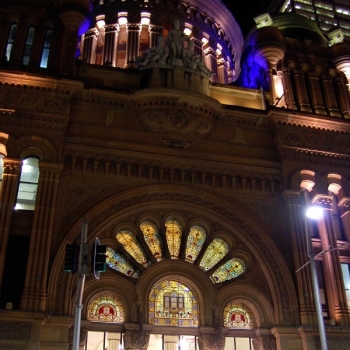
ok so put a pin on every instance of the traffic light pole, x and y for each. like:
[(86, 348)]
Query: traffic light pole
[(82, 271)]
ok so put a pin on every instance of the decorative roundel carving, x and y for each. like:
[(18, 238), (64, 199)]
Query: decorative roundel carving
[(177, 121)]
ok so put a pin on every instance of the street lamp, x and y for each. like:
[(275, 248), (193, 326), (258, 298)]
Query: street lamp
[(315, 213)]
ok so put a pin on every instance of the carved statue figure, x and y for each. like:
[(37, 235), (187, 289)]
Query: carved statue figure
[(176, 39), (157, 55)]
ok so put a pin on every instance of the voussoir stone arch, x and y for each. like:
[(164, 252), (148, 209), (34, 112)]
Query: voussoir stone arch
[(234, 217)]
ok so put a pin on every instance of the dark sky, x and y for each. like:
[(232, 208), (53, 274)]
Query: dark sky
[(244, 11)]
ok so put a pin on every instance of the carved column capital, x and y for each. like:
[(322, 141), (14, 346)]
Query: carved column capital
[(323, 200)]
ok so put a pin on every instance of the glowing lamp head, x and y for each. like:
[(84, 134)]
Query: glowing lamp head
[(314, 212)]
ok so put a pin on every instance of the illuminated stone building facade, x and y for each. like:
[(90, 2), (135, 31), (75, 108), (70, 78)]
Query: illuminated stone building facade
[(191, 152)]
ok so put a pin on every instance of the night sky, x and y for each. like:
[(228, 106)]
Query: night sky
[(245, 11)]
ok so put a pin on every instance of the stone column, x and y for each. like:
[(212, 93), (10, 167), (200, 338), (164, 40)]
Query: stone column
[(264, 340), (110, 47), (90, 43), (294, 206), (132, 44), (8, 195), (154, 32), (336, 297), (288, 89), (211, 338), (343, 97), (136, 336), (211, 63), (315, 92), (302, 96), (34, 292), (285, 339), (330, 98)]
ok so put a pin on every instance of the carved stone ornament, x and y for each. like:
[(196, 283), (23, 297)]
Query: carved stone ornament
[(136, 339), (15, 330), (265, 343), (33, 101), (176, 121), (214, 341)]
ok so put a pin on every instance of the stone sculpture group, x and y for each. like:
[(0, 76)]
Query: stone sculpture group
[(174, 51)]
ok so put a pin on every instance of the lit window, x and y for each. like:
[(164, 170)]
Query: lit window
[(215, 252), (117, 262), (1, 167), (346, 278), (46, 49), (152, 238), (106, 308), (133, 247), (238, 316), (172, 303), (194, 244), (10, 41), (231, 269), (28, 46), (173, 235), (28, 184)]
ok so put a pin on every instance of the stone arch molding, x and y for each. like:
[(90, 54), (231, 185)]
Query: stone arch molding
[(100, 216)]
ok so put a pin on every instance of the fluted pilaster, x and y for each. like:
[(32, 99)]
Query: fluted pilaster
[(8, 194), (34, 293)]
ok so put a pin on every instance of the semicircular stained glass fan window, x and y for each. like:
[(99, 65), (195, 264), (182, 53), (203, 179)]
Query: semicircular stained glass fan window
[(194, 244), (106, 308), (238, 316), (128, 240), (173, 236), (215, 252), (172, 303), (152, 238), (117, 262), (230, 269)]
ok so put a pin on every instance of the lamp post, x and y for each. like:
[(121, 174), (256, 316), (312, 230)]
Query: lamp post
[(314, 212)]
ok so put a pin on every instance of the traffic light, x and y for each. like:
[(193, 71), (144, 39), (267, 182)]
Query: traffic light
[(71, 258), (99, 257)]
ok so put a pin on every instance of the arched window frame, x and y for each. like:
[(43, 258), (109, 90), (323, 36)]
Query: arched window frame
[(28, 184), (28, 46), (10, 41), (45, 54)]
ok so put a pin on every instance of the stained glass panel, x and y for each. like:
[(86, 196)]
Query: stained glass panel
[(133, 247), (194, 244), (106, 308), (152, 238), (172, 303), (117, 262), (231, 269), (215, 252), (173, 235), (239, 316)]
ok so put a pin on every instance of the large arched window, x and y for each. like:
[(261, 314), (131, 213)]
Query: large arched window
[(172, 303), (28, 184)]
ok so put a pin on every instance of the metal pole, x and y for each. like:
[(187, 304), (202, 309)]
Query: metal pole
[(80, 289), (315, 287)]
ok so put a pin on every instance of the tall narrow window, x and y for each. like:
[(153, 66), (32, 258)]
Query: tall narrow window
[(28, 184), (10, 41), (346, 278), (28, 46), (1, 167), (46, 49)]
